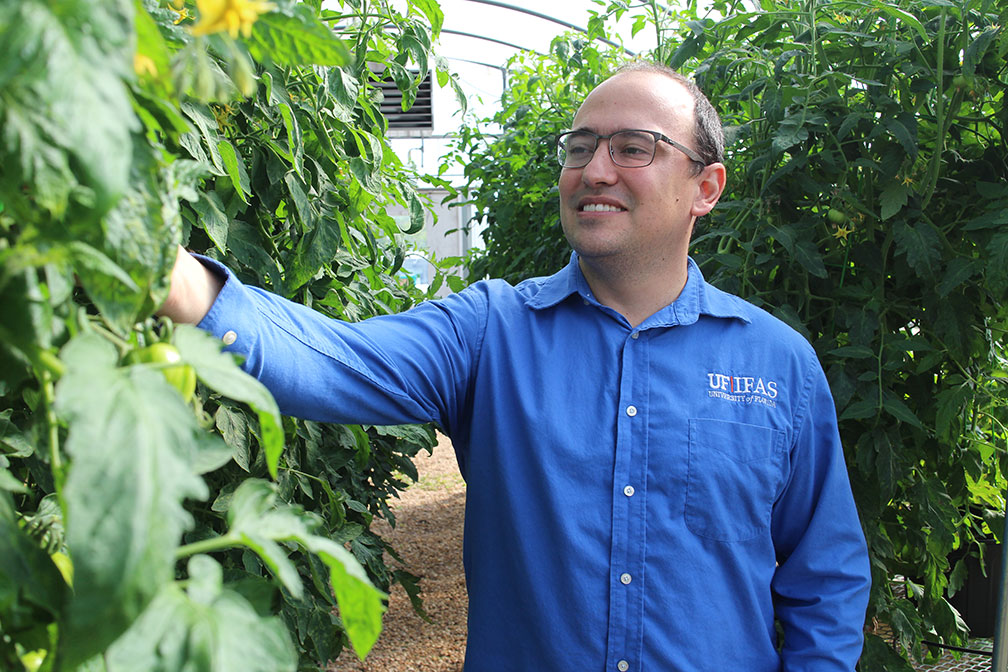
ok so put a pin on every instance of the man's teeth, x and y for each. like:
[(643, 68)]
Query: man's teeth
[(600, 207)]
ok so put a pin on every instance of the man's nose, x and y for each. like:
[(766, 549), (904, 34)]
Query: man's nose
[(600, 169)]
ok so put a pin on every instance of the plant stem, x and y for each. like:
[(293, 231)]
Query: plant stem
[(52, 430), (939, 148), (107, 333), (206, 546), (658, 33), (814, 42)]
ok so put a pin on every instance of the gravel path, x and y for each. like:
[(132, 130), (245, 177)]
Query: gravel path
[(428, 537)]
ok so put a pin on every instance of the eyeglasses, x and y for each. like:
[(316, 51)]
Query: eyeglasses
[(631, 148)]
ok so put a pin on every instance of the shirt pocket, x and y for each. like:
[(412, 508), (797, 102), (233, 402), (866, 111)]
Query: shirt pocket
[(734, 475)]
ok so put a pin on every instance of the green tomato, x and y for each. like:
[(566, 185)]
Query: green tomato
[(33, 660), (181, 376), (836, 216)]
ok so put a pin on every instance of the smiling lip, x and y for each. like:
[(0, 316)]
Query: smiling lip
[(600, 206)]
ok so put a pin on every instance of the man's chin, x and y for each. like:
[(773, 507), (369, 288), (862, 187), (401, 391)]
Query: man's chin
[(600, 257)]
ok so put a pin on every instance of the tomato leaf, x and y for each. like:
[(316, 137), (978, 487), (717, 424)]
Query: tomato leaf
[(234, 164), (810, 257), (212, 218), (219, 372), (255, 517), (10, 484), (132, 442), (207, 626), (296, 38), (318, 248), (258, 520), (432, 11), (361, 605), (921, 243), (893, 198), (139, 237), (899, 410), (60, 112), (295, 145), (28, 578)]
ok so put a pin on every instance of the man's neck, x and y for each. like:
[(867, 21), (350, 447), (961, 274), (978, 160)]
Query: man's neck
[(634, 292)]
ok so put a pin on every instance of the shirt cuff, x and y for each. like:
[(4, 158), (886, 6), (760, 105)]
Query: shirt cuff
[(232, 311)]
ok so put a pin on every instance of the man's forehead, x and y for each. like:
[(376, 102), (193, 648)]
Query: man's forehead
[(635, 100)]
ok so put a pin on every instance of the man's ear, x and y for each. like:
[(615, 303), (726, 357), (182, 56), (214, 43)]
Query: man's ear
[(710, 184)]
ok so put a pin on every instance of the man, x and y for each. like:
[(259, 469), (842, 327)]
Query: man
[(654, 476)]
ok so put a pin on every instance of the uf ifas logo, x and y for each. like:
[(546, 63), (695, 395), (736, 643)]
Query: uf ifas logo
[(742, 389)]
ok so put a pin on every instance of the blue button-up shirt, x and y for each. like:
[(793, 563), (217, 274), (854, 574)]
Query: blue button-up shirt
[(638, 498)]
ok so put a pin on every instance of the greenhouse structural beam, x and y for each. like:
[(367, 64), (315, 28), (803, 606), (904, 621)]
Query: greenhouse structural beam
[(1000, 662), (512, 45), (553, 19), (499, 68)]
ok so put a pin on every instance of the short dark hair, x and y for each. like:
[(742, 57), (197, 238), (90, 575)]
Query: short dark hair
[(708, 133)]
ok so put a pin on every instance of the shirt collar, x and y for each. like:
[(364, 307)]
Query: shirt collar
[(697, 297)]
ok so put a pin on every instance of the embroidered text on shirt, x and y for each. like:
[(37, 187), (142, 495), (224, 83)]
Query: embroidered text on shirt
[(742, 389)]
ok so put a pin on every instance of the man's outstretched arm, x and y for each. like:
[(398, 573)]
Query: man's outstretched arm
[(194, 288)]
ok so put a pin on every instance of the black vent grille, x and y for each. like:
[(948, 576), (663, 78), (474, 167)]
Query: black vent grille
[(420, 117)]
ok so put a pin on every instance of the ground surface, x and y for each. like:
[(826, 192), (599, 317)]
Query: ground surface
[(428, 536), (967, 662)]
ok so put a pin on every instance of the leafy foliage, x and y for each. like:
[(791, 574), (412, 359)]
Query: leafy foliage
[(902, 293), (866, 207), (511, 176), (141, 531)]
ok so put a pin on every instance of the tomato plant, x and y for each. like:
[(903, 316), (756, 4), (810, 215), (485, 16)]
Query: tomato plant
[(141, 528)]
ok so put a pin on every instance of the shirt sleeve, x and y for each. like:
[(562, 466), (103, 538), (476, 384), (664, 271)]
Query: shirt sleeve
[(823, 576), (413, 367)]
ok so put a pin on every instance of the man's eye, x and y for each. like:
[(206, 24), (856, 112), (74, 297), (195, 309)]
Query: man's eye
[(633, 150), (579, 149)]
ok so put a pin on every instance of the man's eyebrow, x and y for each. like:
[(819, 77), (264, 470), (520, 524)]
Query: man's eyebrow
[(593, 129)]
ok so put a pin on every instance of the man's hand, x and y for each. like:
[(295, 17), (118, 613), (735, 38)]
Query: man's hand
[(194, 288)]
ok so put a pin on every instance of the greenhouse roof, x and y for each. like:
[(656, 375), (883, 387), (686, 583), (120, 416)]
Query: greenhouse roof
[(488, 32), (477, 39)]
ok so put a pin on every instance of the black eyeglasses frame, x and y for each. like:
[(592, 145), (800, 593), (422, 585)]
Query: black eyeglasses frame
[(657, 135)]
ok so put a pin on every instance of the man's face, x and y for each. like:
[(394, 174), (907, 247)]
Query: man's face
[(637, 215)]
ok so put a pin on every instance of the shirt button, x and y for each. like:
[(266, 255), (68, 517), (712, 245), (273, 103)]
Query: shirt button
[(622, 666), (229, 337), (625, 579), (635, 335), (628, 491), (631, 411)]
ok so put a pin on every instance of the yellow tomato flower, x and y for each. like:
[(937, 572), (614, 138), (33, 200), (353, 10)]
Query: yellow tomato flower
[(842, 232), (222, 114), (143, 65), (230, 15)]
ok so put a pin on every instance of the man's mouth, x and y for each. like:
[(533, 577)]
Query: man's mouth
[(601, 207)]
